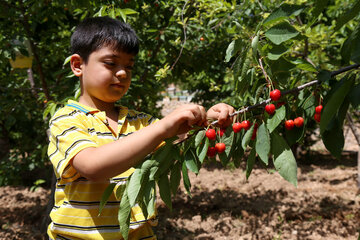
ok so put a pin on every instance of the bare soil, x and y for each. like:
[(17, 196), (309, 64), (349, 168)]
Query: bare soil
[(224, 205)]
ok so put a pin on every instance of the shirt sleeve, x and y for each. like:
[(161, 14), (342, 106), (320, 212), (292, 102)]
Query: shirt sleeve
[(68, 136)]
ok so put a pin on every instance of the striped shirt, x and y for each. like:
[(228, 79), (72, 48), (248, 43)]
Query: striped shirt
[(76, 209)]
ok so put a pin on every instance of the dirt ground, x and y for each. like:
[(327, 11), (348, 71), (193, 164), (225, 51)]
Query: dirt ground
[(224, 205)]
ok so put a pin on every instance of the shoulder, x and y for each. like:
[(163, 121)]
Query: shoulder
[(66, 114)]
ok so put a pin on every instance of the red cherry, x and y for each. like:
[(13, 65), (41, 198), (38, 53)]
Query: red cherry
[(318, 109), (221, 132), (246, 125), (211, 134), (220, 147), (270, 109), (237, 127), (201, 39), (317, 117), (289, 124), (211, 152), (299, 122), (275, 95)]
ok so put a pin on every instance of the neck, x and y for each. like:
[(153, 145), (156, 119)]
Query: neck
[(96, 103)]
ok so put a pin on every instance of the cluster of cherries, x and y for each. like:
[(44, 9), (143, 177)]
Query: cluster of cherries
[(275, 95), (219, 147)]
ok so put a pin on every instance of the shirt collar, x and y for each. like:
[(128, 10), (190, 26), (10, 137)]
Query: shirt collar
[(82, 107)]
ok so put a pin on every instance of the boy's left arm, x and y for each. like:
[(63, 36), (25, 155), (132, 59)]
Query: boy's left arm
[(221, 112)]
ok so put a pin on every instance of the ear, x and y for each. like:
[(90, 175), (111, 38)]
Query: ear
[(76, 63)]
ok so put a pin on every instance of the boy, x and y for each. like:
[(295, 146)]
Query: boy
[(93, 142)]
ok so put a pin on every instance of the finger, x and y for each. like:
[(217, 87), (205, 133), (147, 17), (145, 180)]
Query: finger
[(223, 116)]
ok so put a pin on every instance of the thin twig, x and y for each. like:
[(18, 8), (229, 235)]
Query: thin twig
[(184, 41)]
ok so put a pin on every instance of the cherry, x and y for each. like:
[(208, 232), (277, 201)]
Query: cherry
[(299, 122), (211, 134), (317, 117), (318, 109), (221, 132), (289, 124), (270, 109), (220, 147), (237, 127), (211, 152), (246, 124), (275, 95), (201, 39)]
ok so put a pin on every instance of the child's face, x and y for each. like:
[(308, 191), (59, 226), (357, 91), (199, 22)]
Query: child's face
[(107, 75)]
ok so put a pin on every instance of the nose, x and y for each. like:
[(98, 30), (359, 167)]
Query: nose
[(121, 73)]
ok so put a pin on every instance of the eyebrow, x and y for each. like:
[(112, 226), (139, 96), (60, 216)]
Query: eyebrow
[(116, 56)]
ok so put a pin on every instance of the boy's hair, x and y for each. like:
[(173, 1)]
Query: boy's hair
[(97, 32)]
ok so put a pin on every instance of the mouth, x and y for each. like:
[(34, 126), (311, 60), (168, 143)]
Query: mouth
[(117, 86)]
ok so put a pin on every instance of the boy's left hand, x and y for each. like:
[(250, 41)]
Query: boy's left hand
[(221, 112)]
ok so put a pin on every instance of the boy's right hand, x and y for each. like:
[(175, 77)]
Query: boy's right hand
[(182, 119)]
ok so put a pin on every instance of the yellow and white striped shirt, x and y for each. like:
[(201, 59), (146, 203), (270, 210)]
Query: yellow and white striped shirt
[(75, 213)]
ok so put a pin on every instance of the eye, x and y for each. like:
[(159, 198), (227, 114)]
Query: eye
[(129, 68), (110, 63)]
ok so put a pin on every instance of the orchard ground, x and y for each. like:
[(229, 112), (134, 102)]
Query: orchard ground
[(224, 205)]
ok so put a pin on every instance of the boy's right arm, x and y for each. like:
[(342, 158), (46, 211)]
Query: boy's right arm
[(114, 158)]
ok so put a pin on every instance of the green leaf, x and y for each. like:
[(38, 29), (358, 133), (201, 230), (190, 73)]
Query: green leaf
[(120, 190), (129, 11), (186, 179), (333, 138), (284, 160), (204, 150), (124, 216), (173, 155), (238, 151), (348, 15), (308, 105), (336, 99), (281, 33), (320, 5), (108, 191), (276, 119), (122, 14), (149, 197), (175, 177), (134, 186), (191, 162), (324, 76), (283, 12), (232, 49), (199, 138), (250, 162), (306, 67), (263, 143), (247, 137), (164, 189), (67, 60), (354, 96), (277, 51), (351, 47)]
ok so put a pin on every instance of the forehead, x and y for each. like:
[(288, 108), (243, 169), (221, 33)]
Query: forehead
[(109, 52)]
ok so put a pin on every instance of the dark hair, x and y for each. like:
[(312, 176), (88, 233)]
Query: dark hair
[(97, 32)]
